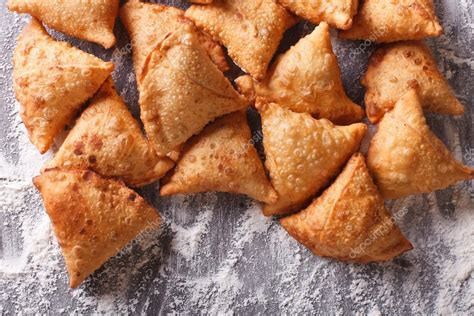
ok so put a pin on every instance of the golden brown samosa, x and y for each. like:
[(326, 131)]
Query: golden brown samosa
[(149, 23), (250, 29), (52, 80), (306, 79), (394, 20), (93, 218), (395, 68), (91, 20), (108, 140), (303, 154), (221, 158), (406, 158), (349, 221), (337, 13), (181, 89)]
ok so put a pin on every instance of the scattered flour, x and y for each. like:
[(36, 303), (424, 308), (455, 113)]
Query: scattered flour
[(187, 239)]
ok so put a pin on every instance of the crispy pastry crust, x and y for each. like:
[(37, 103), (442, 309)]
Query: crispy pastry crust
[(91, 20), (394, 20), (201, 1), (108, 140), (349, 222), (406, 158), (250, 29), (306, 79), (148, 24), (303, 154), (337, 13), (93, 218), (221, 158), (52, 80), (395, 68), (181, 89)]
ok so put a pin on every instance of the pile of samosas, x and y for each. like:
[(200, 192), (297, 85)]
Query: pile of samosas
[(197, 135)]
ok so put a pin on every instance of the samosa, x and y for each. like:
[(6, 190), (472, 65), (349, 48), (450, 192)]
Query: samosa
[(337, 13), (181, 89), (406, 158), (394, 20), (93, 218), (52, 80), (250, 30), (349, 221), (221, 158), (396, 68), (149, 23), (306, 79), (90, 20), (303, 154), (108, 140)]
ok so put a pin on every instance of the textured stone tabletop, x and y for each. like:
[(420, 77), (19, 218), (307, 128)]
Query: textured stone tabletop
[(216, 253)]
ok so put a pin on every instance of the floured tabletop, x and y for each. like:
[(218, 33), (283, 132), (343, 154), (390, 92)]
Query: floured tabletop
[(216, 253)]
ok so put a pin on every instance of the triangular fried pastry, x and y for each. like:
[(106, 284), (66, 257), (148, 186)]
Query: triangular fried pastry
[(149, 23), (337, 13), (406, 158), (52, 80), (108, 140), (93, 218), (251, 30), (395, 68), (306, 79), (303, 154), (181, 89), (91, 20), (349, 221), (394, 20), (221, 158)]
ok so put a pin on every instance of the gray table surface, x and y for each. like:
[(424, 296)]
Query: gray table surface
[(216, 253)]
